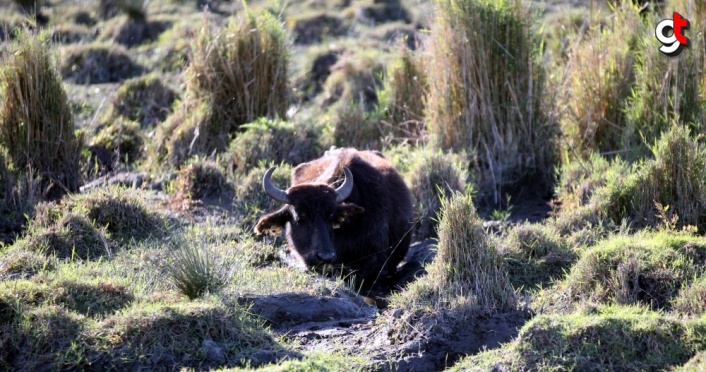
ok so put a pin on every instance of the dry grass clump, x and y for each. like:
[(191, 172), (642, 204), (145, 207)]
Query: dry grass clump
[(646, 268), (36, 124), (630, 338), (178, 335), (275, 141), (122, 139), (251, 201), (535, 255), (97, 64), (236, 75), (434, 176), (600, 78), (203, 180), (402, 96), (146, 100), (313, 28), (691, 300), (486, 88), (467, 275)]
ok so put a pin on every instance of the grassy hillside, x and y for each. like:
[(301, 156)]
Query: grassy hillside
[(556, 159)]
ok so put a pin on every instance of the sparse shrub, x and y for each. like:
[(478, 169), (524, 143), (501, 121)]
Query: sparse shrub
[(146, 100), (236, 75), (402, 97), (646, 268), (601, 75), (97, 64), (251, 201), (203, 180), (313, 28), (535, 255), (611, 337), (691, 300), (486, 90), (36, 125), (434, 176), (194, 269), (275, 141), (122, 137)]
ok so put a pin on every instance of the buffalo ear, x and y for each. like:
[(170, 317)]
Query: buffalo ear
[(345, 211), (273, 223)]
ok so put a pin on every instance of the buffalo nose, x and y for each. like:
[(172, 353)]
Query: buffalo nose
[(326, 257)]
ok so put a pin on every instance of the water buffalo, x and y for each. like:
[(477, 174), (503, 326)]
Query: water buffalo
[(348, 208)]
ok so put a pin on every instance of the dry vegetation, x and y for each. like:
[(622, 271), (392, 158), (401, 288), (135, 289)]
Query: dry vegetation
[(134, 136)]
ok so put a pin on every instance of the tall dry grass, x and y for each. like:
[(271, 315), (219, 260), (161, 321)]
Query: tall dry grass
[(600, 75), (486, 89), (36, 123), (237, 74)]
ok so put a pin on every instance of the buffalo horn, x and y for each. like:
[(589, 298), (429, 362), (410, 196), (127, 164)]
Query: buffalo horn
[(273, 191), (343, 191)]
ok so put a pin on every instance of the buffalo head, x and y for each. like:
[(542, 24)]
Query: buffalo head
[(310, 213)]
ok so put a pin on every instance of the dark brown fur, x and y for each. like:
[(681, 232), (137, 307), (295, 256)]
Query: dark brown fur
[(375, 220)]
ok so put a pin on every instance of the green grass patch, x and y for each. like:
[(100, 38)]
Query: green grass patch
[(629, 338)]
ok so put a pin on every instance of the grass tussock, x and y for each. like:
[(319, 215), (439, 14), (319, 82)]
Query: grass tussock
[(194, 269), (19, 193), (646, 268), (236, 75), (275, 141), (130, 32), (434, 176), (691, 300), (535, 255), (146, 100), (630, 337), (72, 237), (36, 124), (667, 190), (203, 180), (97, 63), (180, 332), (467, 274), (119, 211), (18, 263), (313, 28), (486, 92), (353, 126), (122, 139)]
